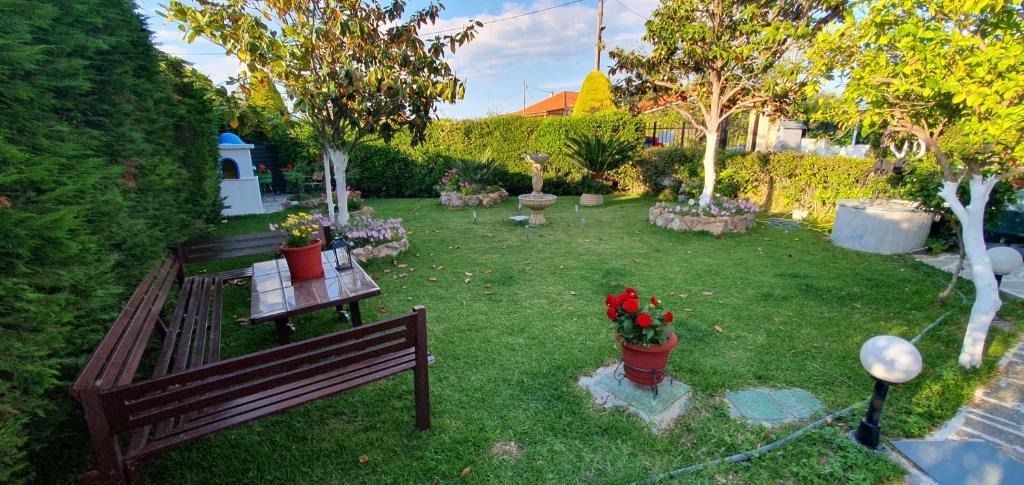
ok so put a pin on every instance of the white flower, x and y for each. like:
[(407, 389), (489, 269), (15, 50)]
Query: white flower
[(691, 202)]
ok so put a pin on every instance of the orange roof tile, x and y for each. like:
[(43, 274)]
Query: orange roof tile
[(556, 104)]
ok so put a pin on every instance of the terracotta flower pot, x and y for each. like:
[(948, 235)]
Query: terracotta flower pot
[(304, 263), (647, 357), (590, 200)]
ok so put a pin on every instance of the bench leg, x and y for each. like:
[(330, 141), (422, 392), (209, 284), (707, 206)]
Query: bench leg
[(420, 377), (357, 317), (284, 330)]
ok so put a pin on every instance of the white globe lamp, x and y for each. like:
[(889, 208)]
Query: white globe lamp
[(1005, 260), (890, 360)]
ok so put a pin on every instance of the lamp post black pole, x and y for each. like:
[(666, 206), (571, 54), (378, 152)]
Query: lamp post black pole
[(869, 432)]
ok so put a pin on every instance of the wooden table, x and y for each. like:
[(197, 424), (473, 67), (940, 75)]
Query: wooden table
[(276, 298)]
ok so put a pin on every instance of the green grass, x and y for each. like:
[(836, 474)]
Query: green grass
[(793, 310)]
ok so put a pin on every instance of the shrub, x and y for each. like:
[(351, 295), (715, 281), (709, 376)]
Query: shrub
[(595, 95), (107, 156)]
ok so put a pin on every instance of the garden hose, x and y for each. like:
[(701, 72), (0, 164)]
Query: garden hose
[(740, 457)]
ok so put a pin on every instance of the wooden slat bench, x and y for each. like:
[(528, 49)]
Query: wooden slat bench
[(202, 250), (193, 393)]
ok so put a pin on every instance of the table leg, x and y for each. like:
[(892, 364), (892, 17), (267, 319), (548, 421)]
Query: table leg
[(357, 318), (284, 330)]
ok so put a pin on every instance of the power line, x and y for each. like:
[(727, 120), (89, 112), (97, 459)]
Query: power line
[(506, 18), (634, 12)]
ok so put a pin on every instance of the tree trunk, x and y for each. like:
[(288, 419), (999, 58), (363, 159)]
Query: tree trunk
[(339, 159), (326, 155), (986, 299), (710, 152)]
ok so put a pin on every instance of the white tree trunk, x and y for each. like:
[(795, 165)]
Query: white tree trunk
[(710, 152), (339, 159), (986, 292), (326, 155)]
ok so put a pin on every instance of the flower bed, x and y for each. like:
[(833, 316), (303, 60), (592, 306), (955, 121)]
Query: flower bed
[(376, 238), (721, 215), (456, 200)]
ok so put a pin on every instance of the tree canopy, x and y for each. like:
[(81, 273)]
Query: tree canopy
[(714, 59), (925, 68), (356, 68)]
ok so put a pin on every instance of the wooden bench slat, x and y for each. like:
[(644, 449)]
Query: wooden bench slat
[(292, 389), (275, 354), (335, 387), (218, 298), (177, 402), (112, 358), (232, 253), (218, 241)]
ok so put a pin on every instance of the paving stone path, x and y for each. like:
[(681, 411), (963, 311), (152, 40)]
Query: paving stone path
[(984, 442), (1013, 283)]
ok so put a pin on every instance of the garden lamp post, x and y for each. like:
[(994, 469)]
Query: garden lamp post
[(1005, 260), (890, 360)]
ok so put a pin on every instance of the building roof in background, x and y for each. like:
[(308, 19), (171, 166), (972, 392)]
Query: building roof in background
[(557, 104)]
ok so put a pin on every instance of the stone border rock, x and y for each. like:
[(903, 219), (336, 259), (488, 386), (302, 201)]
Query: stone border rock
[(386, 250), (664, 215), (455, 200)]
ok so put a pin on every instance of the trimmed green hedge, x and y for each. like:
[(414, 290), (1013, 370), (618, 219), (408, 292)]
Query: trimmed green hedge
[(402, 170), (107, 152)]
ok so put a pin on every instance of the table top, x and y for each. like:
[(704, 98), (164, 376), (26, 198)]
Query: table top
[(274, 295)]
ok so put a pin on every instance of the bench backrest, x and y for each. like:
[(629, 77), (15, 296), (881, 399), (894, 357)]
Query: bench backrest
[(200, 250), (117, 357), (391, 345)]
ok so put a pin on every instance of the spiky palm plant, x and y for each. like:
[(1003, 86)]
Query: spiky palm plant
[(599, 155)]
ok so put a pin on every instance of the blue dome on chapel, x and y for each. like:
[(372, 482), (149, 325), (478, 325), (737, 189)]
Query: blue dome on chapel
[(229, 139)]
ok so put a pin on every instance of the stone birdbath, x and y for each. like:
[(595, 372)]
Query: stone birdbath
[(537, 201)]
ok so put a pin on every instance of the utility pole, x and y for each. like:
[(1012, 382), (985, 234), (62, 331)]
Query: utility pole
[(524, 97), (600, 27)]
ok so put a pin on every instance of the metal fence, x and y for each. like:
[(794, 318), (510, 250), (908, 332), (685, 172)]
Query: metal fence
[(735, 132)]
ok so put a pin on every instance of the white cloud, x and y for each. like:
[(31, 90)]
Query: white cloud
[(550, 37)]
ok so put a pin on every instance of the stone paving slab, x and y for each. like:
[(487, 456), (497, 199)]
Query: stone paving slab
[(612, 390), (962, 462), (772, 407), (1013, 283)]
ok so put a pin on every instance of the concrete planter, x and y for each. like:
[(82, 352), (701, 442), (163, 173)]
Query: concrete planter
[(881, 226), (662, 215), (590, 200)]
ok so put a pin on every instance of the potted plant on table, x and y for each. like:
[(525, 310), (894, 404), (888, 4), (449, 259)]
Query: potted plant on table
[(644, 335), (598, 155), (302, 248)]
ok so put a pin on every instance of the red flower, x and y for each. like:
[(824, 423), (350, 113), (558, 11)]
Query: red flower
[(668, 317), (613, 313), (643, 320), (631, 305), (654, 301), (632, 293), (262, 167), (611, 300)]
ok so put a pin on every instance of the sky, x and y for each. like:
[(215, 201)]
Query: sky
[(552, 50)]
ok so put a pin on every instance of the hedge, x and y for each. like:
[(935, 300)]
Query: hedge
[(400, 169), (106, 150)]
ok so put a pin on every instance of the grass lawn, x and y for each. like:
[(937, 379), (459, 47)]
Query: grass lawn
[(793, 311)]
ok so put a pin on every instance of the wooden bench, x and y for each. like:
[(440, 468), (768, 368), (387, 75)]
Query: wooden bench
[(192, 393), (202, 250)]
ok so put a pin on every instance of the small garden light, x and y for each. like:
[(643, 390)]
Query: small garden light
[(474, 216), (1005, 260), (890, 360), (342, 254)]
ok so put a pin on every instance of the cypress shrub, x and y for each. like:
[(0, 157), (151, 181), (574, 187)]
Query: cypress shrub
[(106, 158)]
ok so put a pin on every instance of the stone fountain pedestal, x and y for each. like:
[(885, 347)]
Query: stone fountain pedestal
[(537, 201)]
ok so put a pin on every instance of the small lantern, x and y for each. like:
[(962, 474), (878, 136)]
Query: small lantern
[(890, 360), (342, 254), (1004, 260)]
